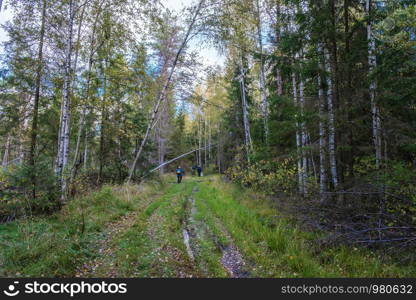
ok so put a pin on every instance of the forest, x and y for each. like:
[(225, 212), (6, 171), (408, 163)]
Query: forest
[(305, 131)]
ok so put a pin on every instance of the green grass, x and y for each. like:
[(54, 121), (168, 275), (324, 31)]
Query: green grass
[(151, 244), (277, 248), (54, 246), (161, 253)]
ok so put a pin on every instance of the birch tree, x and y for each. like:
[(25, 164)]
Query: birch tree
[(298, 136), (38, 79), (5, 159), (246, 121), (322, 128), (64, 130), (263, 92), (331, 120)]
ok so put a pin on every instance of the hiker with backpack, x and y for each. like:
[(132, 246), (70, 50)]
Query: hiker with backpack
[(179, 173)]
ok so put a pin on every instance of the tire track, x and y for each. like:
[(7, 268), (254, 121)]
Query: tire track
[(232, 260)]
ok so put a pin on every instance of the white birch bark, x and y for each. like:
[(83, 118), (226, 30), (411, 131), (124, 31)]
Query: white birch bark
[(63, 146), (86, 151), (205, 139), (279, 79), (331, 121), (246, 123), (5, 160), (322, 131), (199, 137), (25, 126), (298, 136), (161, 150), (209, 140), (265, 106), (312, 160), (86, 101), (172, 160), (219, 150), (303, 137)]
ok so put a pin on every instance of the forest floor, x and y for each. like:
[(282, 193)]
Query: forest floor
[(204, 227)]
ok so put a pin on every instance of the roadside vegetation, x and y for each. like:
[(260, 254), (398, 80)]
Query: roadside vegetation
[(138, 231), (55, 246)]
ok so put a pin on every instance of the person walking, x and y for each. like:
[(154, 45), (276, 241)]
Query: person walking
[(179, 173), (199, 169)]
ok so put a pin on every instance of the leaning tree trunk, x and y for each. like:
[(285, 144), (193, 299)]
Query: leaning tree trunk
[(162, 94), (372, 63), (39, 71)]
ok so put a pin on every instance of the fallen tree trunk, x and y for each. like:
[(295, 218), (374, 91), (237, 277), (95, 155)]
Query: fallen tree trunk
[(175, 159)]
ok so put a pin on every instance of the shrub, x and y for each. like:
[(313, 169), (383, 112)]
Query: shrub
[(16, 190), (269, 177)]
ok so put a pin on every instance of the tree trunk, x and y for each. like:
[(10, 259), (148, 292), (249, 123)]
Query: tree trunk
[(209, 140), (322, 130), (298, 136), (102, 127), (34, 133), (172, 160), (303, 137), (205, 139), (87, 96), (372, 63), (265, 106), (24, 132), (86, 151), (6, 152), (63, 146), (331, 121), (199, 137), (279, 79), (247, 135), (348, 91), (219, 150)]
